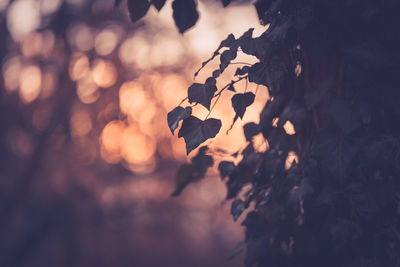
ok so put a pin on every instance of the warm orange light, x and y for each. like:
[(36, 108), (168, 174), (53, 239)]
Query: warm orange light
[(292, 156), (30, 83), (136, 147), (289, 128), (78, 66), (104, 73)]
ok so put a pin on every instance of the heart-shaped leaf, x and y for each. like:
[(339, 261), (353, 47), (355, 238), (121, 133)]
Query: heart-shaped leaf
[(251, 129), (196, 131), (176, 115), (202, 93), (158, 4), (137, 9), (241, 101), (226, 57), (185, 14)]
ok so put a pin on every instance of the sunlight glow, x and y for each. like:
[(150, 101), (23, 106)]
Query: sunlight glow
[(30, 83)]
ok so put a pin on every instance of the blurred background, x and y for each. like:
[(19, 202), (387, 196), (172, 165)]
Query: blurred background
[(87, 162)]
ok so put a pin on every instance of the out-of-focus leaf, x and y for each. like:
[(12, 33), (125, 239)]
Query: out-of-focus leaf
[(185, 14), (202, 93), (176, 115), (237, 208), (226, 57), (117, 2), (137, 9), (241, 101), (251, 129), (225, 3), (158, 4), (194, 171), (187, 173), (345, 115), (202, 161), (225, 168), (196, 131)]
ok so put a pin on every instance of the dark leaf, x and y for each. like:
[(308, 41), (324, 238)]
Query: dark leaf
[(258, 47), (226, 57), (158, 4), (226, 2), (137, 9), (241, 101), (225, 168), (186, 174), (196, 131), (176, 115), (228, 42), (246, 36), (237, 208), (216, 73), (344, 115), (267, 74), (242, 71), (185, 14), (251, 129), (202, 161), (117, 2), (201, 93), (231, 87)]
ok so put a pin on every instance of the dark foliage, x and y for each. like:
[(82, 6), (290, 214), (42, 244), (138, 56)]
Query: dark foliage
[(331, 68)]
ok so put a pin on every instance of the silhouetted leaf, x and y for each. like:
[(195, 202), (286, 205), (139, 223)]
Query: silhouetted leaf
[(216, 73), (242, 71), (202, 161), (176, 115), (202, 93), (241, 101), (228, 42), (137, 9), (158, 4), (251, 129), (225, 3), (185, 14), (267, 74), (194, 171), (196, 131), (231, 87), (226, 58), (225, 168), (237, 208), (186, 174)]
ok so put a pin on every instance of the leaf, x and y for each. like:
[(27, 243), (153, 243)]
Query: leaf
[(185, 14), (242, 71), (202, 93), (196, 131), (225, 168), (226, 57), (251, 129), (241, 101), (192, 172), (176, 115), (225, 3), (137, 9), (267, 74), (186, 174), (216, 73), (158, 4), (231, 87), (117, 3), (237, 208), (228, 42), (202, 161)]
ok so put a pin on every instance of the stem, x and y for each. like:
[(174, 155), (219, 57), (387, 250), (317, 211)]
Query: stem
[(213, 106)]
